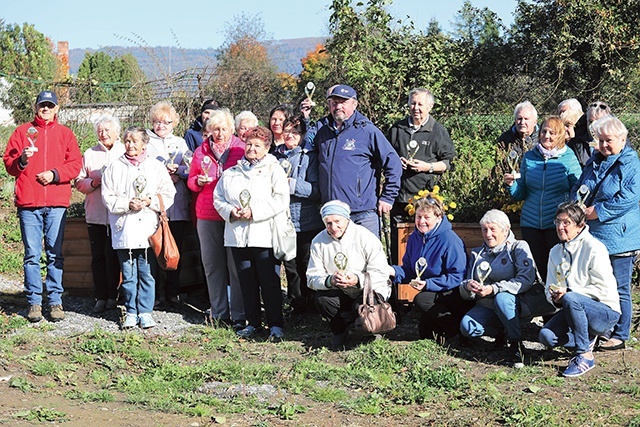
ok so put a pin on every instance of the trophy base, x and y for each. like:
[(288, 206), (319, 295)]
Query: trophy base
[(516, 175)]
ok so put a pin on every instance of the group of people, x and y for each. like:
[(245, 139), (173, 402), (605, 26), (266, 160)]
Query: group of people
[(335, 178)]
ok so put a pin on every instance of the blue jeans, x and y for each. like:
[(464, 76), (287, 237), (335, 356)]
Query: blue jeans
[(622, 270), (580, 320), (138, 285), (34, 223), (481, 320), (368, 219)]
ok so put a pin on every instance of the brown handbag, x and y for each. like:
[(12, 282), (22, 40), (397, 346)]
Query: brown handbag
[(162, 242), (374, 316)]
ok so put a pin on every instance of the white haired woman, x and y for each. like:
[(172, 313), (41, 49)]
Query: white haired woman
[(244, 121), (105, 267)]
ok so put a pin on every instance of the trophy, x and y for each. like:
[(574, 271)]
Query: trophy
[(172, 151), (513, 163), (562, 272), (420, 267), (340, 260), (582, 194), (412, 149), (309, 89), (187, 158), (32, 136), (287, 166), (245, 198), (483, 270), (206, 164), (139, 185)]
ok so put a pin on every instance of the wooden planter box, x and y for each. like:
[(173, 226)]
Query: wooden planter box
[(76, 249)]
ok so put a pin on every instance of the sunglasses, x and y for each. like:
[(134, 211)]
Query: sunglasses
[(599, 105)]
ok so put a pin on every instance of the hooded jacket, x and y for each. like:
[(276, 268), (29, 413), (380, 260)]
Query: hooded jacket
[(351, 161), (445, 255), (58, 152)]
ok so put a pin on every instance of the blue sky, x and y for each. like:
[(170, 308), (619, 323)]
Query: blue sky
[(201, 24)]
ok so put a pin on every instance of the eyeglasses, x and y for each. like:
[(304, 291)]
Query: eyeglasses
[(599, 105), (161, 122), (49, 105), (563, 222)]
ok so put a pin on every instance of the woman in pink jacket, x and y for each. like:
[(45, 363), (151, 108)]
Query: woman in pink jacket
[(220, 151)]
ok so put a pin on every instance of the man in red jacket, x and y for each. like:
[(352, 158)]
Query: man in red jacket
[(44, 157)]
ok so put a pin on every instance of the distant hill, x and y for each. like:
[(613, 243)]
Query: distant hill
[(155, 61)]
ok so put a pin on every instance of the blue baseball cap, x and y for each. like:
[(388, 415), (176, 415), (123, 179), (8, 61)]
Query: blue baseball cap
[(343, 91), (47, 96)]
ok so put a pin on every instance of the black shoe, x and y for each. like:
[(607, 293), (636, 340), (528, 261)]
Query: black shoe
[(516, 354), (338, 340)]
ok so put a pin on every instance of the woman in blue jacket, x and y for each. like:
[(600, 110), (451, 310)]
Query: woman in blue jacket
[(548, 172), (436, 252), (612, 178)]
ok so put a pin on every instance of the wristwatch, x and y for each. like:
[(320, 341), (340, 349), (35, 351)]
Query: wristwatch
[(430, 167)]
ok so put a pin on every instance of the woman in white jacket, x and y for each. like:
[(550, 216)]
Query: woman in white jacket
[(248, 197), (580, 280), (105, 267), (130, 189)]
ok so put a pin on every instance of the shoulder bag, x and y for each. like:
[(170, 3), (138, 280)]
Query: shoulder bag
[(375, 316), (162, 242)]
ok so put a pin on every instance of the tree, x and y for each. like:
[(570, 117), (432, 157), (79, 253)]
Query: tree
[(28, 63), (103, 79)]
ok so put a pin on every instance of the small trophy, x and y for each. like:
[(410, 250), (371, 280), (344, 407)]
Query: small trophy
[(412, 149), (32, 136), (341, 261), (172, 151), (206, 165), (562, 272), (483, 270), (420, 267), (287, 166), (513, 163), (245, 198), (187, 158), (582, 194), (309, 89), (139, 185)]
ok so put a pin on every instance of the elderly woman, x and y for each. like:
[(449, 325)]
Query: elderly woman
[(193, 137), (249, 196), (220, 151), (131, 187), (436, 252), (497, 272), (548, 171), (277, 117), (105, 267), (581, 281), (301, 167), (244, 121), (612, 178), (340, 257), (169, 148)]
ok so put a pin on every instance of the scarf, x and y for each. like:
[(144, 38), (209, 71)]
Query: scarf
[(136, 160)]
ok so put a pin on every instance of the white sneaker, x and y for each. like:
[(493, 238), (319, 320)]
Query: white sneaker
[(130, 321), (146, 321)]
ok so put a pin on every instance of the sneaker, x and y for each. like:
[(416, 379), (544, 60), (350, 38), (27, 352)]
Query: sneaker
[(276, 333), (516, 354), (130, 321), (35, 313), (57, 314), (247, 332), (578, 366), (100, 306), (592, 344), (146, 321), (239, 325), (111, 304)]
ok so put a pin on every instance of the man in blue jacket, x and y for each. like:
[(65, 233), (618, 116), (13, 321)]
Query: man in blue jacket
[(353, 153)]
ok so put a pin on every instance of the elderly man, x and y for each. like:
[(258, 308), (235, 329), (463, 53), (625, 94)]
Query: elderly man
[(352, 153), (523, 135), (424, 147), (44, 157), (340, 256)]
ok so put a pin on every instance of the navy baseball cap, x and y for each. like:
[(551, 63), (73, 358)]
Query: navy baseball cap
[(343, 91), (47, 96)]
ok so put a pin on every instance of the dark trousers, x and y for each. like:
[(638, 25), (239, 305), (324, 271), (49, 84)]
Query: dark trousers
[(441, 313), (337, 307), (257, 275), (296, 271), (170, 280), (105, 266), (540, 242)]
